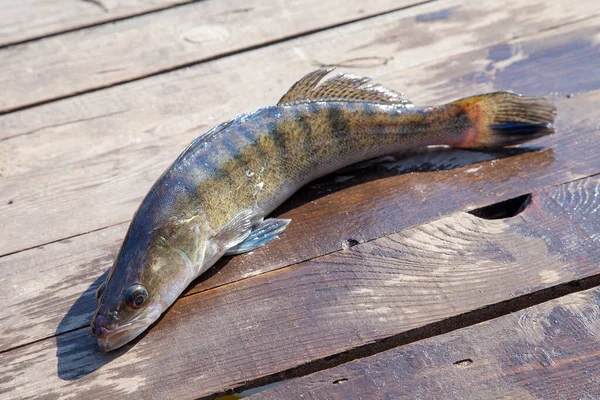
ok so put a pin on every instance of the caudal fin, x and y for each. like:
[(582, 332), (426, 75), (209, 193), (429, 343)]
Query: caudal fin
[(504, 119)]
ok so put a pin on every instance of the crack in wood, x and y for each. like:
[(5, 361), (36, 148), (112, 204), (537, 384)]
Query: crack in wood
[(62, 124), (504, 209), (99, 4), (75, 28)]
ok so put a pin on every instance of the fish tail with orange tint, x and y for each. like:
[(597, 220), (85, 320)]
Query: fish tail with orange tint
[(502, 119)]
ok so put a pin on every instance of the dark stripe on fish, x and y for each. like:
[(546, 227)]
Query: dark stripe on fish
[(337, 123), (306, 130), (277, 135)]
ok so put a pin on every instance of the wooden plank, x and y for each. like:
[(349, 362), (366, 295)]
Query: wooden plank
[(549, 351), (26, 20), (58, 274), (92, 158), (111, 53), (372, 204), (225, 337)]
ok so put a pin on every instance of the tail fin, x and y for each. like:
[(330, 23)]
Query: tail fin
[(504, 119)]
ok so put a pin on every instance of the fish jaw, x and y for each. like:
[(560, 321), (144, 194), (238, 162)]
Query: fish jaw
[(111, 339)]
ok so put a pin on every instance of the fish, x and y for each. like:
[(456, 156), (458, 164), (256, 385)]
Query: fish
[(214, 200)]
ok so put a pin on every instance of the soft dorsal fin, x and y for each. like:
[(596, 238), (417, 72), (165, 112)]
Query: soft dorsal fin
[(341, 87)]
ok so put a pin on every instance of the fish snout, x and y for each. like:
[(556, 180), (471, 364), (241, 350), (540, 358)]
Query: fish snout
[(99, 326)]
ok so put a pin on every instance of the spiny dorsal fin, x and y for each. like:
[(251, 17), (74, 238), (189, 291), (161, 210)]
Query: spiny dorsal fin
[(303, 89), (341, 87)]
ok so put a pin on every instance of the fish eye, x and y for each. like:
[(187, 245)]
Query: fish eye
[(136, 296), (100, 290)]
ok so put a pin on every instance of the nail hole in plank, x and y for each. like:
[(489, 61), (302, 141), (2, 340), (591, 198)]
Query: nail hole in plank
[(463, 363), (338, 381)]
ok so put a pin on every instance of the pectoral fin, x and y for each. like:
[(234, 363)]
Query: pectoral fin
[(236, 231), (261, 234)]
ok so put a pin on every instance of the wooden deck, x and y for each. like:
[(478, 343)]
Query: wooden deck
[(387, 284)]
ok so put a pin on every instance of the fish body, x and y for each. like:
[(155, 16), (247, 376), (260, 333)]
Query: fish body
[(213, 200)]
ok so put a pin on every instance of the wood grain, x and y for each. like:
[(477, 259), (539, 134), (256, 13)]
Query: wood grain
[(111, 53), (549, 351), (26, 20), (87, 162), (362, 206), (228, 336)]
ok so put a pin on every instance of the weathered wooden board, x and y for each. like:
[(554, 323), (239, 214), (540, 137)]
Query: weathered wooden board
[(549, 351), (336, 303), (22, 20), (362, 208), (41, 285), (102, 56), (91, 168), (111, 53)]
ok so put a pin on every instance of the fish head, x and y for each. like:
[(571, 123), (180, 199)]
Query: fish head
[(151, 270)]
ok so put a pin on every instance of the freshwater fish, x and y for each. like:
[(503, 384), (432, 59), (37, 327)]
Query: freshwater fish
[(214, 199)]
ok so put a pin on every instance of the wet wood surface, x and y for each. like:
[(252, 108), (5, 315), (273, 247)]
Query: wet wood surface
[(334, 304), (373, 260), (548, 351)]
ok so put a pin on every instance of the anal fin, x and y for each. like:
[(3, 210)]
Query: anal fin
[(261, 234)]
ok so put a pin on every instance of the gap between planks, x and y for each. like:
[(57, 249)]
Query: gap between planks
[(546, 351), (461, 321)]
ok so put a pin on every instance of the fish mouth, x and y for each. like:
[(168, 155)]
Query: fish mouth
[(111, 339)]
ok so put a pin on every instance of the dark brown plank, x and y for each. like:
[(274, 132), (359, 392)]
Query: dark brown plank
[(126, 50), (228, 336), (372, 204), (92, 158), (549, 351)]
